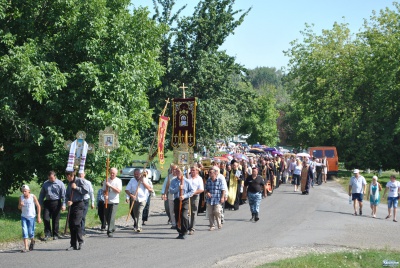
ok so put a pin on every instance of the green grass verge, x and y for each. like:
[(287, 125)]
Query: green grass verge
[(368, 258), (10, 222)]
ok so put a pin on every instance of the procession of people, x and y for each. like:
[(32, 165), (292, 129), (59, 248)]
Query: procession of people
[(223, 185)]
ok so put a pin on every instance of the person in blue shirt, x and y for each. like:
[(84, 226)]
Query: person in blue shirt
[(215, 197), (182, 189)]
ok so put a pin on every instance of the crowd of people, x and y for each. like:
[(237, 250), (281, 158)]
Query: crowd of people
[(213, 189)]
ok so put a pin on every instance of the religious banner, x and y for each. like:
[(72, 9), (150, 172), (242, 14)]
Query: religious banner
[(78, 150), (184, 122), (162, 130)]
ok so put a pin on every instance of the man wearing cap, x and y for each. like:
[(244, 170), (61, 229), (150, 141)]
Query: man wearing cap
[(53, 190), (255, 185), (357, 187)]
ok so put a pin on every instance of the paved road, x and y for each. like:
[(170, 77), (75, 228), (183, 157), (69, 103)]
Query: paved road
[(289, 224)]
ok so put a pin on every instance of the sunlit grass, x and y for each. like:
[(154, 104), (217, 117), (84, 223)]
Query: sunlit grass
[(369, 258)]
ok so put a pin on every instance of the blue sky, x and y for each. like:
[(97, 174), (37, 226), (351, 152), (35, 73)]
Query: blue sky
[(272, 24)]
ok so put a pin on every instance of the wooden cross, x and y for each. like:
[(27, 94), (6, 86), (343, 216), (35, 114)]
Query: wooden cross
[(166, 104), (183, 88)]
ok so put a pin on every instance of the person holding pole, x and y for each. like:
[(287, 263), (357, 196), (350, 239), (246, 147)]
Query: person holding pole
[(114, 186), (168, 197), (76, 190), (198, 187), (137, 191), (182, 190)]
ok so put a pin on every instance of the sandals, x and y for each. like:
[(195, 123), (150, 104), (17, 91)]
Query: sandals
[(395, 220), (25, 250), (32, 245), (388, 216), (355, 214)]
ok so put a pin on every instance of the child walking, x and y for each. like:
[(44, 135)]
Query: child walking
[(27, 204)]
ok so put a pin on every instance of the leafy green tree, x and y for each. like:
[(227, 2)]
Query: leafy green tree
[(191, 55), (345, 89), (68, 66)]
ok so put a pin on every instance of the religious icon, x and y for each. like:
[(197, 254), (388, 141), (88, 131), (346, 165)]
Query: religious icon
[(183, 158), (183, 121), (108, 140)]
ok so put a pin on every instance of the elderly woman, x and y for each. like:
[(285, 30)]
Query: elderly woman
[(373, 195)]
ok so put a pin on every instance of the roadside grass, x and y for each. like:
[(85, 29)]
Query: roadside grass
[(367, 258), (10, 222)]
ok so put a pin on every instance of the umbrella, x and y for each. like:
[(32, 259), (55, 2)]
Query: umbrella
[(250, 155), (270, 149), (228, 156), (256, 151), (221, 158), (256, 146), (276, 153), (303, 154), (241, 157)]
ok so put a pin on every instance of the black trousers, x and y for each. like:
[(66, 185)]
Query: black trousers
[(75, 219), (85, 210), (183, 215), (146, 210), (51, 212), (100, 211)]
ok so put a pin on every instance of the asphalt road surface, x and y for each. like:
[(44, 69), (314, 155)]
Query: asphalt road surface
[(290, 225)]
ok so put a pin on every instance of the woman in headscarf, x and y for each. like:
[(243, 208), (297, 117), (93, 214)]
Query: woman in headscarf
[(374, 196)]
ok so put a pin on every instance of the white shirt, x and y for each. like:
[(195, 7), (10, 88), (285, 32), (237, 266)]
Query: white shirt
[(142, 193), (90, 194), (113, 197), (357, 184), (197, 183), (28, 209), (393, 188)]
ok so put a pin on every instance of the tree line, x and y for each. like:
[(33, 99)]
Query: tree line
[(344, 90)]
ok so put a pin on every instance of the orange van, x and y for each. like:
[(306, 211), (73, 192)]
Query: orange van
[(331, 155)]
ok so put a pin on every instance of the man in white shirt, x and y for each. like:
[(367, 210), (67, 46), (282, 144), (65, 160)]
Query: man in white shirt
[(111, 190), (198, 187), (137, 191), (168, 197), (393, 197), (357, 190)]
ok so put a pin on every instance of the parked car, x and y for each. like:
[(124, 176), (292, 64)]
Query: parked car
[(152, 172)]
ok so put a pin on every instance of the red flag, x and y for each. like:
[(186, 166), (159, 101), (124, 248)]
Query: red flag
[(162, 130)]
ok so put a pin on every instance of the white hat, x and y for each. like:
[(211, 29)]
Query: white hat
[(25, 187), (374, 177), (356, 171)]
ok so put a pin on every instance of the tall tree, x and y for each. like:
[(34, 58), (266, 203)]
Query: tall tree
[(67, 66), (191, 55)]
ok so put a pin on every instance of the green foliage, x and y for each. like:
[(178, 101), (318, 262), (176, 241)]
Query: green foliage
[(191, 55), (344, 90), (69, 66)]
